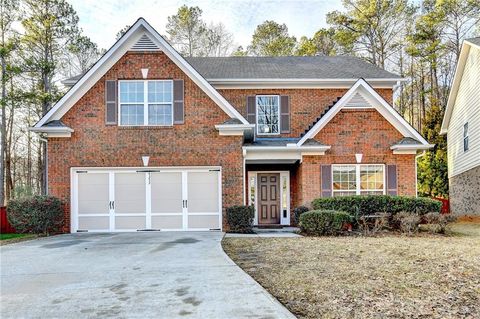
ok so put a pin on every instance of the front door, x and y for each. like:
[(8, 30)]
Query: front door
[(269, 198)]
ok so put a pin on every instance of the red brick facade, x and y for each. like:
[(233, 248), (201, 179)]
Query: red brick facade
[(195, 143), (198, 143), (353, 132), (305, 104)]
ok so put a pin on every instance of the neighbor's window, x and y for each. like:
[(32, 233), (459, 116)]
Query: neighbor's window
[(268, 117), (358, 179), (465, 137), (146, 102)]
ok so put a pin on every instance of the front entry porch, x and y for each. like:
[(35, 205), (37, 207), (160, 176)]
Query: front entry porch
[(269, 191)]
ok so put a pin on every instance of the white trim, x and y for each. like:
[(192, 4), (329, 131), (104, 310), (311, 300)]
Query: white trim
[(233, 129), (380, 105), (256, 115), (114, 54), (283, 221), (218, 83)]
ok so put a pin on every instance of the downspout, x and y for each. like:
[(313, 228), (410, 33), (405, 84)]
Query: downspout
[(416, 171), (44, 140)]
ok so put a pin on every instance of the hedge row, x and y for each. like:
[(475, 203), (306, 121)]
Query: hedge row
[(372, 204), (323, 222)]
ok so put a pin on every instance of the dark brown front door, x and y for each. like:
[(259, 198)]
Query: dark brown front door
[(269, 198)]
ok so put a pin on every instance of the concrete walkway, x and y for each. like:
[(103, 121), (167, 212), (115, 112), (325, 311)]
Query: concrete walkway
[(129, 275)]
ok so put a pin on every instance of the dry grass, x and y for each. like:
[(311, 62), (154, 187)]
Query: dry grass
[(358, 277)]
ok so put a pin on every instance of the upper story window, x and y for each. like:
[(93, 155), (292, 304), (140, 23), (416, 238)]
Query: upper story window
[(358, 179), (268, 114), (465, 137), (145, 102)]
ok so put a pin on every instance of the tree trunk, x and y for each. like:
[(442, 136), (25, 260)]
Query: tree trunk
[(3, 133)]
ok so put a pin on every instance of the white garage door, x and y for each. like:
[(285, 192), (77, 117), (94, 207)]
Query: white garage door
[(157, 199)]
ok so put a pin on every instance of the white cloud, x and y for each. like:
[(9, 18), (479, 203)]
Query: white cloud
[(102, 19)]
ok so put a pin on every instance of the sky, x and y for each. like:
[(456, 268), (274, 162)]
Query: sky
[(102, 19)]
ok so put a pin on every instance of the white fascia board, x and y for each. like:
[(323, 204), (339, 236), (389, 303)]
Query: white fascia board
[(233, 129), (114, 54), (411, 147), (287, 148), (455, 85), (50, 129), (379, 103), (299, 83)]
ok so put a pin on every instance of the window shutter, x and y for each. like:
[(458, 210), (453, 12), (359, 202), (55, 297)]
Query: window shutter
[(251, 110), (178, 102), (111, 98), (284, 114), (392, 180), (326, 174)]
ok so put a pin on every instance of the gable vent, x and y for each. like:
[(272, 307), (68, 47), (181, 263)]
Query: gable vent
[(145, 44), (358, 101)]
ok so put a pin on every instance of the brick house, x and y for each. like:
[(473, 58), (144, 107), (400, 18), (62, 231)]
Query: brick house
[(147, 139)]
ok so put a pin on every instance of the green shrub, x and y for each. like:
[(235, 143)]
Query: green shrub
[(36, 214), (240, 219), (373, 204), (323, 222), (298, 211)]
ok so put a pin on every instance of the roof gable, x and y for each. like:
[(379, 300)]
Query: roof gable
[(469, 44), (140, 36), (356, 97)]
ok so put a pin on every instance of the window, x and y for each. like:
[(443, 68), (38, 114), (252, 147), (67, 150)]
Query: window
[(358, 179), (146, 103), (465, 137), (344, 180), (268, 109)]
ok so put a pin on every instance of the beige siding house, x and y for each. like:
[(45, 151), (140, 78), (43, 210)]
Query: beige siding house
[(462, 126)]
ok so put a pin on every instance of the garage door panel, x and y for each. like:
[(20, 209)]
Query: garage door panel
[(129, 222), (93, 222), (167, 222), (179, 200), (203, 192), (93, 193), (203, 222), (166, 192), (130, 193)]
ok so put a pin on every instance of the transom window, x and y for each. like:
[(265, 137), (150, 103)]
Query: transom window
[(358, 179), (146, 102), (268, 117), (465, 137)]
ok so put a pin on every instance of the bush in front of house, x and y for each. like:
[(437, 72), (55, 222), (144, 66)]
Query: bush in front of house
[(438, 223), (407, 222), (298, 211), (36, 214), (240, 219), (373, 204), (323, 222)]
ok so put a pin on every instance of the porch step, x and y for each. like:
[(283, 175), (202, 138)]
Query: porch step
[(278, 229)]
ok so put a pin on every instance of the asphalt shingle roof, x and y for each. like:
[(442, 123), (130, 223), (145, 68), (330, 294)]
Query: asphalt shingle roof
[(475, 41), (286, 67), (408, 141)]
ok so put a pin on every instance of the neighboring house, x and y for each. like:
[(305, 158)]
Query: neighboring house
[(462, 126), (147, 139)]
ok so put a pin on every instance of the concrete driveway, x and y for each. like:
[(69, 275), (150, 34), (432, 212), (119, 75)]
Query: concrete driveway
[(129, 275)]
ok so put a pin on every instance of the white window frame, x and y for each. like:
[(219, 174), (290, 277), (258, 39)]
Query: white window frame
[(358, 189), (465, 138), (256, 114), (145, 103)]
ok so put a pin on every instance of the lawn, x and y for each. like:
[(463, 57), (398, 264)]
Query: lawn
[(368, 277), (11, 238)]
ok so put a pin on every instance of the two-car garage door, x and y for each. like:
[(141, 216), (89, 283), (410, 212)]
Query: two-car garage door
[(153, 199)]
